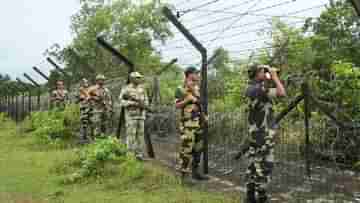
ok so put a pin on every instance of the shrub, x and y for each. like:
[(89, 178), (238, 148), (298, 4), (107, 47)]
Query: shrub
[(53, 127), (91, 160)]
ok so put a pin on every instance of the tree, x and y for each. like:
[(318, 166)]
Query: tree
[(128, 26)]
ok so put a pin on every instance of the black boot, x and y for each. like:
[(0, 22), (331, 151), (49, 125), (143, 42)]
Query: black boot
[(197, 176), (195, 167), (250, 193), (263, 198)]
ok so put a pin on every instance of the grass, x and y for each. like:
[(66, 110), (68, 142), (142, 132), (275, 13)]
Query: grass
[(27, 176)]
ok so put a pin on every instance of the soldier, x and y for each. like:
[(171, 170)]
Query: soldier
[(261, 132), (59, 98), (134, 100), (83, 100), (101, 107), (188, 101)]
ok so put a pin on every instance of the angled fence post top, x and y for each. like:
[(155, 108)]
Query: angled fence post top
[(356, 4), (168, 65), (41, 73), (26, 86), (31, 80), (115, 52), (82, 61), (57, 67), (167, 12)]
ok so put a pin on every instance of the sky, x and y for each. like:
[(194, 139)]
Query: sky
[(30, 27)]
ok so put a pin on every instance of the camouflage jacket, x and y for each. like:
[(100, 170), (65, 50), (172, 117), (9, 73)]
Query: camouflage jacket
[(99, 99), (83, 96), (59, 98), (130, 97), (260, 106), (190, 111)]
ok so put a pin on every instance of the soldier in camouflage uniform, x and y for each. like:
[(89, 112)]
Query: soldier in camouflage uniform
[(83, 100), (187, 99), (261, 131), (101, 107), (59, 98), (134, 100)]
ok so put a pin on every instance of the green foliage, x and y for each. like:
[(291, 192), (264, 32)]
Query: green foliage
[(343, 89), (357, 166), (91, 160), (4, 118), (129, 26), (54, 126)]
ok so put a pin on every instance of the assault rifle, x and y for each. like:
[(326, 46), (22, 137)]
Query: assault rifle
[(140, 104)]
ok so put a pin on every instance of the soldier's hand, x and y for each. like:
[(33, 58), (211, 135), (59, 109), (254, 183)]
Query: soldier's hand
[(191, 99), (140, 104), (273, 71)]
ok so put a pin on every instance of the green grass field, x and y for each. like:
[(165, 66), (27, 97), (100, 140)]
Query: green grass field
[(27, 176)]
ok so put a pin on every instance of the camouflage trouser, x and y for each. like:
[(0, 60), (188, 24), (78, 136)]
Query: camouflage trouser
[(191, 145), (261, 162), (135, 136), (85, 112), (98, 123)]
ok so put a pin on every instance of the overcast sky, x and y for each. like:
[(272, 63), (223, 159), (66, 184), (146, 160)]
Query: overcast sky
[(30, 27)]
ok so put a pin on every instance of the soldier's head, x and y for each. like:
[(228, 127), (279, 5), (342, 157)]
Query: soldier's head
[(84, 82), (257, 71), (60, 84), (192, 75), (100, 79), (136, 78)]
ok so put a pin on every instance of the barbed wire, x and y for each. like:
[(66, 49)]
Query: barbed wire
[(241, 33), (223, 9), (233, 22), (183, 12), (254, 22)]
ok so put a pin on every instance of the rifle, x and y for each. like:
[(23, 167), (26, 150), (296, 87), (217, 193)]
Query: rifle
[(83, 93), (203, 119), (140, 103)]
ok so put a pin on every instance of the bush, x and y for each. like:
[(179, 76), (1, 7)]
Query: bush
[(4, 118), (53, 127), (91, 161)]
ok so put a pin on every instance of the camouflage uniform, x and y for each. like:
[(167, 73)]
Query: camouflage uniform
[(190, 132), (59, 99), (100, 108), (85, 110), (261, 141), (130, 97)]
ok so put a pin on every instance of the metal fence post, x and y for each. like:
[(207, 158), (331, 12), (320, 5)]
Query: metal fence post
[(305, 89), (26, 89), (36, 85)]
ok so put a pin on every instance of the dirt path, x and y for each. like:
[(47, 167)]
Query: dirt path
[(288, 184)]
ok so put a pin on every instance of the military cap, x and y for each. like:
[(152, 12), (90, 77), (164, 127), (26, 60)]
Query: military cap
[(190, 70), (100, 77), (136, 75)]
